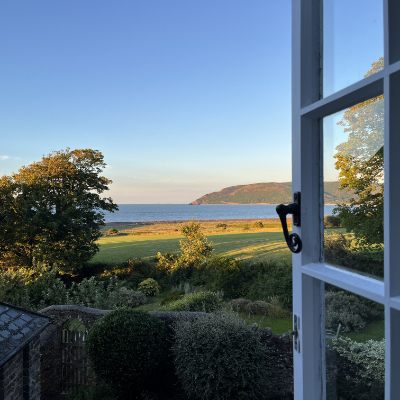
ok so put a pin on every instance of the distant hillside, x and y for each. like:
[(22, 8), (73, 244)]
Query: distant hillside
[(268, 193)]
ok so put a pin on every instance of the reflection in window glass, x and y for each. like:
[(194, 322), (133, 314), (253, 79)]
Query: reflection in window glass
[(354, 346), (352, 42), (353, 181)]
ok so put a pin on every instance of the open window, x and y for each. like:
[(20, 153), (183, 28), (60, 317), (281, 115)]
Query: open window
[(346, 132)]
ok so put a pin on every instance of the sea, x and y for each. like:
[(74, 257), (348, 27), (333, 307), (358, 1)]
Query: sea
[(182, 212)]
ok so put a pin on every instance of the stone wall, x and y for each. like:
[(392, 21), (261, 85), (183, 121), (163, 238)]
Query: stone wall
[(280, 375), (50, 344), (20, 376), (11, 378), (31, 366)]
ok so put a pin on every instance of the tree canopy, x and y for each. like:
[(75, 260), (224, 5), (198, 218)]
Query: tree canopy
[(360, 164), (51, 210)]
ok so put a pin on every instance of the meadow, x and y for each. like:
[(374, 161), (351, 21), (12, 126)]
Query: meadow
[(239, 239)]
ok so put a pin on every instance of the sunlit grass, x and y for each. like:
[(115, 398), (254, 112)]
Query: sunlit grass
[(247, 245)]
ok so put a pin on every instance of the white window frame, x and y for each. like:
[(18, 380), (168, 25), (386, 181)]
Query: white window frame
[(309, 272)]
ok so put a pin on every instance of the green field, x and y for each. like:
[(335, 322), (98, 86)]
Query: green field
[(247, 245)]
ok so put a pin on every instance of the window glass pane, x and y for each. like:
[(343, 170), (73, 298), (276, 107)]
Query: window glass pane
[(353, 182), (354, 346), (352, 42)]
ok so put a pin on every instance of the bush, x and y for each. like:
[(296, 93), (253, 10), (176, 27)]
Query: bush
[(276, 310), (175, 295), (202, 301), (258, 224), (275, 280), (124, 297), (257, 307), (331, 221), (346, 309), (113, 231), (24, 286), (149, 287), (219, 357), (125, 347), (221, 225), (339, 250), (360, 369)]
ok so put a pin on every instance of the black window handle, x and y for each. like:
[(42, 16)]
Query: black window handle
[(293, 240)]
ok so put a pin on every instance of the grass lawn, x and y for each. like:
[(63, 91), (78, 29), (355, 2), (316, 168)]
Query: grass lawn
[(375, 331), (278, 326), (246, 245)]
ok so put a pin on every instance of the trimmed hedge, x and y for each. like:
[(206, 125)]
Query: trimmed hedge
[(125, 347), (219, 357)]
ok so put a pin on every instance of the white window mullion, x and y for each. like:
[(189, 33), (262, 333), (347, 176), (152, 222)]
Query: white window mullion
[(307, 291)]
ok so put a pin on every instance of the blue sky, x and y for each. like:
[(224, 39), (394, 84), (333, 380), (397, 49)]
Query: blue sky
[(182, 97)]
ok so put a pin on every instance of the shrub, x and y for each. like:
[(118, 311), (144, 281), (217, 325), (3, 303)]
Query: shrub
[(274, 280), (24, 286), (346, 309), (331, 221), (258, 224), (221, 225), (149, 287), (113, 231), (239, 305), (124, 297), (360, 369), (219, 357), (276, 310), (202, 301), (125, 347), (173, 296), (369, 357), (257, 307), (339, 250)]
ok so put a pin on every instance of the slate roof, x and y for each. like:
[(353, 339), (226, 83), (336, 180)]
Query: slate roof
[(18, 327)]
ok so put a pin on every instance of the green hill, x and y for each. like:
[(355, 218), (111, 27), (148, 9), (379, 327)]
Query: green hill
[(268, 193)]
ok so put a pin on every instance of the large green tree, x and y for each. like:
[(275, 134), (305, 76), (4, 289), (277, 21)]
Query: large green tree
[(51, 210), (360, 164)]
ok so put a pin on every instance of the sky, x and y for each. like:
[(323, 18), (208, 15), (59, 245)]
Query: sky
[(182, 97)]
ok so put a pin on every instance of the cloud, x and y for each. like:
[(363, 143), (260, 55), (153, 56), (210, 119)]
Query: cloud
[(9, 158)]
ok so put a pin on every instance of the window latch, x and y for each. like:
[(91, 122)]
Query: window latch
[(293, 240), (295, 332)]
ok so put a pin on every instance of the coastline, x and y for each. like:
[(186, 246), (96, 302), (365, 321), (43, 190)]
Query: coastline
[(138, 223)]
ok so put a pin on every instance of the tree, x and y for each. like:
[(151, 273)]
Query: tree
[(51, 210), (360, 164), (194, 250)]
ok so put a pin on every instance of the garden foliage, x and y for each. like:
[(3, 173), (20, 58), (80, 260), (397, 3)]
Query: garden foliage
[(360, 369), (40, 286), (195, 249), (149, 287), (346, 309), (339, 250), (331, 221), (173, 296), (125, 347), (202, 301), (219, 357)]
